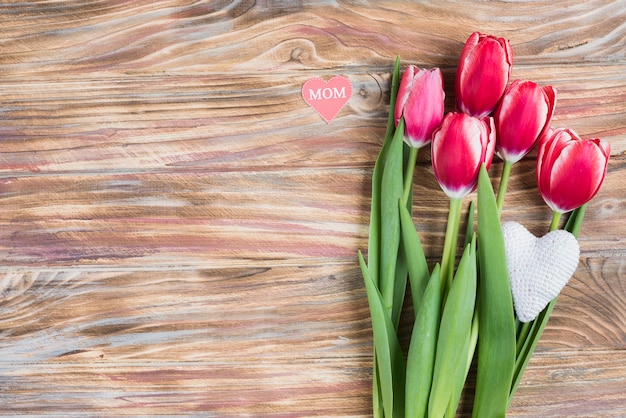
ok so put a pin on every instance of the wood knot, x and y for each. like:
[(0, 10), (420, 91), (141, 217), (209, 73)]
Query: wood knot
[(295, 54)]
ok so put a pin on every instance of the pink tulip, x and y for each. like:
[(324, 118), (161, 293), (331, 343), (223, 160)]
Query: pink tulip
[(483, 73), (570, 170), (522, 117), (420, 100), (459, 147)]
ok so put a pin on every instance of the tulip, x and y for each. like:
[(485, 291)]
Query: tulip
[(459, 147), (483, 73), (570, 170), (420, 101), (521, 118)]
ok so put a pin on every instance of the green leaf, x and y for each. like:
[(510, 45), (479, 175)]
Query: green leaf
[(415, 257), (373, 247), (458, 378), (399, 287), (467, 345), (391, 192), (422, 348), (454, 335), (389, 359), (377, 401), (393, 94), (496, 341)]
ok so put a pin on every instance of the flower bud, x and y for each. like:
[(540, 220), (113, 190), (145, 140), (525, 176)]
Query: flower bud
[(483, 73), (459, 147), (420, 100), (570, 170), (522, 117)]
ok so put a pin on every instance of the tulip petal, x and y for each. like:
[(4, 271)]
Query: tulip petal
[(404, 90), (459, 147), (548, 152), (570, 170), (489, 144), (421, 102), (521, 118), (424, 108), (577, 174), (482, 74)]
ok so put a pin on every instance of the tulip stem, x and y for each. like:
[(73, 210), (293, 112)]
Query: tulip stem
[(522, 337), (556, 217), (504, 182), (449, 246), (408, 177)]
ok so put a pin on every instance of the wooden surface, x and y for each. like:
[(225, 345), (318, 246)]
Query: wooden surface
[(178, 229)]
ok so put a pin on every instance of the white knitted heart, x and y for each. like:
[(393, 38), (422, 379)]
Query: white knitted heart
[(538, 267)]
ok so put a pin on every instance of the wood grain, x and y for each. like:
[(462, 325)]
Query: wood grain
[(209, 314), (179, 229), (246, 36), (156, 122), (303, 388), (219, 217), (258, 341)]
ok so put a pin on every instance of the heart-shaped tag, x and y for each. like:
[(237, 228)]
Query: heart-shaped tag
[(538, 267), (327, 97)]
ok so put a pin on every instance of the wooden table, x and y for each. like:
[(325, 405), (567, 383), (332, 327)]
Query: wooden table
[(178, 230)]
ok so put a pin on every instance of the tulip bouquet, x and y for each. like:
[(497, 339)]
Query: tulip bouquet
[(492, 306)]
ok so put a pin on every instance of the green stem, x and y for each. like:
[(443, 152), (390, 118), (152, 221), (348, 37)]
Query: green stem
[(449, 246), (473, 341), (377, 407), (556, 217), (504, 182), (523, 334), (408, 177)]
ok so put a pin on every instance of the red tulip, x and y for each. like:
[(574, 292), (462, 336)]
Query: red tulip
[(521, 118), (420, 100), (459, 147), (570, 170), (483, 73)]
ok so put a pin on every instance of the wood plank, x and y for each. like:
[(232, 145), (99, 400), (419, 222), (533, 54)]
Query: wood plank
[(196, 218), (203, 218), (571, 384), (588, 385), (306, 311), (218, 123), (85, 123), (183, 36), (591, 310), (273, 313), (260, 341), (329, 388)]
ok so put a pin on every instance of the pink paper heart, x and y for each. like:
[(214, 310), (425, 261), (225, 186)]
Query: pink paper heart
[(327, 97)]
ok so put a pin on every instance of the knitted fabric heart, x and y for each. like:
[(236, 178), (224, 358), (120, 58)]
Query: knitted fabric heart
[(538, 267)]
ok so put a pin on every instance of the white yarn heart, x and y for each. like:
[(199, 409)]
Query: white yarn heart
[(538, 267)]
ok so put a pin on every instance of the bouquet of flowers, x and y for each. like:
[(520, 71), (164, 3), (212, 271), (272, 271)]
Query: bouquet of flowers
[(495, 302)]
